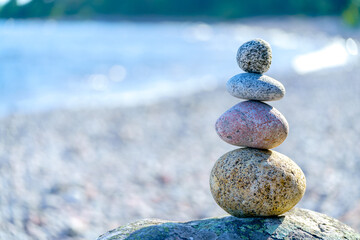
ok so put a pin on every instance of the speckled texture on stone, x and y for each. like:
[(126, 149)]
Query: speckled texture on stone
[(252, 124), (124, 231), (255, 86), (252, 182), (254, 56), (295, 224)]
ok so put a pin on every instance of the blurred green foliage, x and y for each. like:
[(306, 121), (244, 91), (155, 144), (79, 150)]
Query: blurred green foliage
[(225, 9), (351, 14)]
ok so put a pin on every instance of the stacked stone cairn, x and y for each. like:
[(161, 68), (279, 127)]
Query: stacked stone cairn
[(254, 181)]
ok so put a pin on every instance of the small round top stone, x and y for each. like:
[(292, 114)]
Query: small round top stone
[(254, 56)]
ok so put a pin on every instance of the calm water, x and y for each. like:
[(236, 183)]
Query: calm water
[(47, 64)]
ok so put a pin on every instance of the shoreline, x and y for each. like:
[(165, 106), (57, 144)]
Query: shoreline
[(76, 173), (92, 84)]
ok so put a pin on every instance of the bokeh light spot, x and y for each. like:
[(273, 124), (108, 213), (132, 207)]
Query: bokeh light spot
[(117, 73), (351, 46)]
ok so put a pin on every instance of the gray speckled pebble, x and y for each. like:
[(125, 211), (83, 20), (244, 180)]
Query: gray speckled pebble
[(252, 182), (254, 56), (255, 86)]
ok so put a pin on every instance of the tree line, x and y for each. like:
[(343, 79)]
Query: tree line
[(225, 9)]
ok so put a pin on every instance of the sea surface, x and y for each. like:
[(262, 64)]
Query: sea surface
[(46, 65)]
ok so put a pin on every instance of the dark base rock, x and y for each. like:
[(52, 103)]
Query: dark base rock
[(295, 224)]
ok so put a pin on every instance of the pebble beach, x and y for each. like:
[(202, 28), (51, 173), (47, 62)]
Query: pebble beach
[(75, 174)]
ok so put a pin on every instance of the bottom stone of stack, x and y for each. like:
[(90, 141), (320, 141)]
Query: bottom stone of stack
[(249, 182)]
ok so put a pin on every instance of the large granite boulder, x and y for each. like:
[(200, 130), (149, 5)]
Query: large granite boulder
[(295, 224)]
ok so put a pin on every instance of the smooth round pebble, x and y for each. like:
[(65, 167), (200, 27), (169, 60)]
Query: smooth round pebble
[(254, 56), (252, 124), (253, 182), (255, 86)]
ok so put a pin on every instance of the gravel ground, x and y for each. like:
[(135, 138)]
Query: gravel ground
[(76, 174)]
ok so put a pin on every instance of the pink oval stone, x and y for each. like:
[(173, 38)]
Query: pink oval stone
[(252, 124)]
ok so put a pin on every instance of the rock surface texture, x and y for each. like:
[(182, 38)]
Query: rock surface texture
[(253, 182), (255, 86), (252, 124), (254, 56), (295, 224)]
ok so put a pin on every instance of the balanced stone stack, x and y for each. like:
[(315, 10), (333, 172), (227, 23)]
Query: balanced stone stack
[(253, 180)]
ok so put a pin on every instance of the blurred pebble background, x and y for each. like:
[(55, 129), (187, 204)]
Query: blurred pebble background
[(108, 117)]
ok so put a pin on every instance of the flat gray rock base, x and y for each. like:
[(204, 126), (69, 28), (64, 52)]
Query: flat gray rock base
[(295, 224)]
